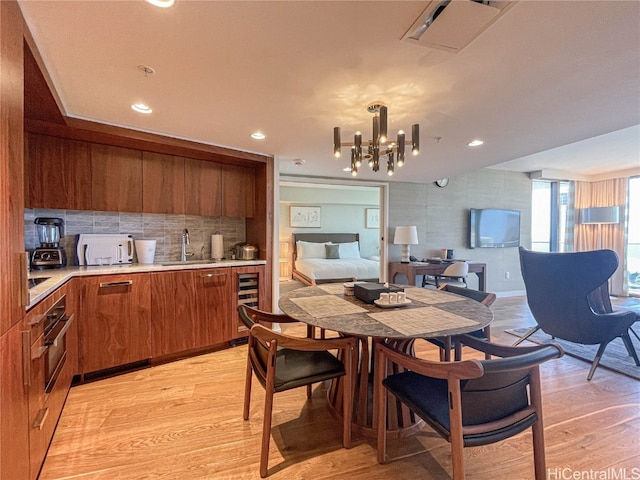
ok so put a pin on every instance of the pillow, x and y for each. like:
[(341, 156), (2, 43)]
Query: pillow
[(332, 251), (310, 249), (349, 250)]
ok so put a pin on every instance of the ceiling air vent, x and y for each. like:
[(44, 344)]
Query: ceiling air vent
[(452, 25)]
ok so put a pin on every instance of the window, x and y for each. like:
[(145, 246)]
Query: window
[(550, 201), (633, 237)]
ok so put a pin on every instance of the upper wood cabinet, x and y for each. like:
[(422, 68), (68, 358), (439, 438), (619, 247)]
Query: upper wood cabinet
[(74, 175), (238, 191), (202, 182), (116, 179), (59, 173), (162, 183)]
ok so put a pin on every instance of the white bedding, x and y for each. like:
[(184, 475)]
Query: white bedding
[(327, 269)]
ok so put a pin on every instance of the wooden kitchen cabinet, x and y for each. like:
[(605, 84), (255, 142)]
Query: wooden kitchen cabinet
[(203, 195), (173, 311), (14, 433), (14, 421), (238, 191), (162, 183), (45, 404), (191, 309), (58, 173), (115, 321), (116, 179)]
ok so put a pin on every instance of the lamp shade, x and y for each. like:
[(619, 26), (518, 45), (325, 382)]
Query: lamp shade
[(597, 215), (406, 235)]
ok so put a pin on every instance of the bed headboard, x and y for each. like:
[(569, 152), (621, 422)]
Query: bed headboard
[(322, 238)]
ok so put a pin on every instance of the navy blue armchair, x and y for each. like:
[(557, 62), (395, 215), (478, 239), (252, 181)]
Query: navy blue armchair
[(568, 295)]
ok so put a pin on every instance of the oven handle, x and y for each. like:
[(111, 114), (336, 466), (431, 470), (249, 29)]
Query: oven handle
[(62, 331)]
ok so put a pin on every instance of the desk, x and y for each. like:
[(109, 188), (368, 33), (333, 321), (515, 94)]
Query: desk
[(410, 270), (432, 313)]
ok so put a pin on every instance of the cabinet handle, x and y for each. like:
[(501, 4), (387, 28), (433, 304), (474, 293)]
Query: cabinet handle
[(211, 275), (116, 284), (36, 321), (26, 358), (42, 416), (39, 353)]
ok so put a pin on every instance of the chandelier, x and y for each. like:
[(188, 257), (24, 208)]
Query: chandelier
[(379, 146)]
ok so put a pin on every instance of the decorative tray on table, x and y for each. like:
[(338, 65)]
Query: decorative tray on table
[(392, 305)]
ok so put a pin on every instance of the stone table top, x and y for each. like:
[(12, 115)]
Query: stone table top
[(431, 313)]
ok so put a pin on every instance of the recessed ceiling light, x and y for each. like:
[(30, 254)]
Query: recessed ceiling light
[(258, 136), (161, 3), (475, 143), (141, 108)]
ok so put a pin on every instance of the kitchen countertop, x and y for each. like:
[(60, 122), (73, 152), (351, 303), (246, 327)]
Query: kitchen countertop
[(58, 276)]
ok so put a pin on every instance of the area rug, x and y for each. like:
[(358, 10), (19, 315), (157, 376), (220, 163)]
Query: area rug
[(615, 356)]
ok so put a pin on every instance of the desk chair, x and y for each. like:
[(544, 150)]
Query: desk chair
[(470, 403), (281, 362), (455, 274)]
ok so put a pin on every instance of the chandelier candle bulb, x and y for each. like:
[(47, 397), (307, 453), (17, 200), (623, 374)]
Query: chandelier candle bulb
[(336, 142), (400, 148), (383, 124), (415, 139)]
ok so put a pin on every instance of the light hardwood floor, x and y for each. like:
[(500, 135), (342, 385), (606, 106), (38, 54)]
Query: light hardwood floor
[(183, 420)]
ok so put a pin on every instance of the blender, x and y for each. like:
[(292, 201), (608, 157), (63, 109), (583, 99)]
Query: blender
[(50, 253)]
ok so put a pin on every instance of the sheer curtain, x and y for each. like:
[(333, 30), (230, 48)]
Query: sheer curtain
[(606, 193)]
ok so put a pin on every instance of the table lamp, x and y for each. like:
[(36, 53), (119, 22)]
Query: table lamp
[(599, 216), (405, 236)]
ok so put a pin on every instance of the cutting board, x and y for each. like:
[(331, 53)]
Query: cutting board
[(104, 249)]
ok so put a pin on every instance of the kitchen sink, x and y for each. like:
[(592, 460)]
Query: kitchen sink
[(188, 262), (37, 281)]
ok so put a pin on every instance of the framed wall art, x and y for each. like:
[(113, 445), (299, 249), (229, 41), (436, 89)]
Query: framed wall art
[(372, 218), (304, 217)]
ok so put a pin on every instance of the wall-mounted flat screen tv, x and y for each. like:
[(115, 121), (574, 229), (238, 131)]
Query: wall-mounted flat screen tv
[(494, 228)]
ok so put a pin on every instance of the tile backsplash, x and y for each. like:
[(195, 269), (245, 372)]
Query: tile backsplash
[(164, 228)]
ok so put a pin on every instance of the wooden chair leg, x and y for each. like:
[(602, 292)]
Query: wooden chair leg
[(347, 400), (247, 390), (539, 460), (266, 432), (380, 397)]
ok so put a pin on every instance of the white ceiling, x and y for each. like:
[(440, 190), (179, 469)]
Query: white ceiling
[(548, 84)]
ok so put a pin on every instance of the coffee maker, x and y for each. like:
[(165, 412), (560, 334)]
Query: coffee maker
[(50, 253)]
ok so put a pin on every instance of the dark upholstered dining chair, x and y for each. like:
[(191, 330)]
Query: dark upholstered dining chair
[(281, 362), (446, 344), (469, 403), (568, 295)]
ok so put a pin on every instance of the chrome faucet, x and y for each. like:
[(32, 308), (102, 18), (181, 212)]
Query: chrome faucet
[(184, 243)]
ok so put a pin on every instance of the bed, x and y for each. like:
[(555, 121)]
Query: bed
[(330, 257)]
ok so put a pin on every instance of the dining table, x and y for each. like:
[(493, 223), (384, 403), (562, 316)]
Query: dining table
[(427, 313)]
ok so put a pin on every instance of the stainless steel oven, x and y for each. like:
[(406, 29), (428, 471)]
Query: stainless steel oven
[(56, 324)]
